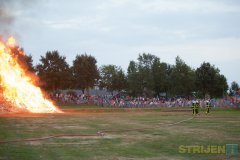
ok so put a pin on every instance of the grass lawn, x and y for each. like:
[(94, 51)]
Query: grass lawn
[(157, 134)]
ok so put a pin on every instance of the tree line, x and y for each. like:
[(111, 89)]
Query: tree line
[(146, 76)]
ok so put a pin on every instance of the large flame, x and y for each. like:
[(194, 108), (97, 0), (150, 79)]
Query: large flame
[(18, 86)]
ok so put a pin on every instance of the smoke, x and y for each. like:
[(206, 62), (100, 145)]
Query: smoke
[(9, 12), (6, 16)]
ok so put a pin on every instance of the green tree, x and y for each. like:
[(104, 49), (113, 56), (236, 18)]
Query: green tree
[(148, 76), (29, 62), (182, 78), (234, 88), (209, 81), (221, 86), (85, 72), (145, 64), (134, 80), (161, 76), (54, 71), (23, 59), (112, 78)]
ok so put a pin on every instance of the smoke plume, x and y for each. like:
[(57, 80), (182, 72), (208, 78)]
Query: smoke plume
[(9, 12), (6, 16)]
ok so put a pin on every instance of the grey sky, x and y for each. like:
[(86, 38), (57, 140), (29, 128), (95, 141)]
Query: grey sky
[(116, 31)]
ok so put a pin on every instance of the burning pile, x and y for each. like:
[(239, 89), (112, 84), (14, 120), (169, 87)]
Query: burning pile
[(18, 90)]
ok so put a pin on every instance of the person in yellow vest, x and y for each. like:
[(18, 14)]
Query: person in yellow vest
[(194, 107), (208, 106), (197, 107)]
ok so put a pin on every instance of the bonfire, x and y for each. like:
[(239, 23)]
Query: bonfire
[(18, 88)]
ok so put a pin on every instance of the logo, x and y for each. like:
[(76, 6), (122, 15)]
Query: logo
[(210, 149), (232, 150)]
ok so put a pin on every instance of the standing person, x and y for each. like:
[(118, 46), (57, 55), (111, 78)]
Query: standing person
[(194, 107), (208, 106), (197, 106)]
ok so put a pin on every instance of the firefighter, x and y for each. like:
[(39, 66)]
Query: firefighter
[(194, 107), (197, 107), (208, 106)]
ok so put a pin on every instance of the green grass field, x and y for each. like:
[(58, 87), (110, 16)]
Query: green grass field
[(157, 134)]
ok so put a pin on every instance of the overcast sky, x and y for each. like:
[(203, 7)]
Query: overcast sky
[(116, 31)]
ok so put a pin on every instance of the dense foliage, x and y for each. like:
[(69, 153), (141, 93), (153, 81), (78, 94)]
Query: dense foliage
[(148, 76)]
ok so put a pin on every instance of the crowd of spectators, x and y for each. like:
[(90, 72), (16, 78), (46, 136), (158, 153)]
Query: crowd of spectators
[(109, 100)]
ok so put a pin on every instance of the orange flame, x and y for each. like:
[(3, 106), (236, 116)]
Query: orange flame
[(18, 87)]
